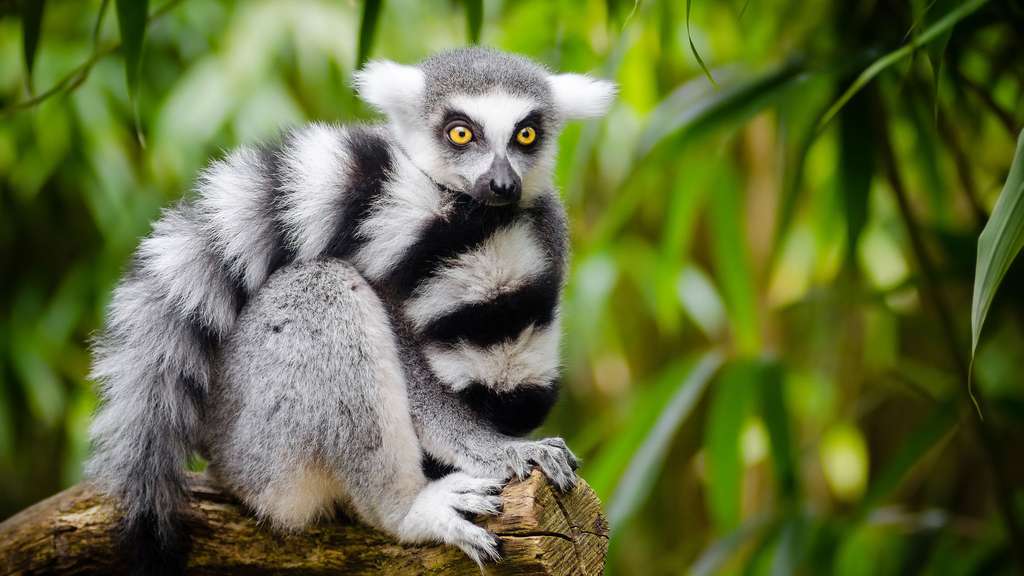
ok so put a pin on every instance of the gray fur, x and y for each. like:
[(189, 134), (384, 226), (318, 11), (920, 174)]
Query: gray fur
[(479, 70), (319, 382), (310, 380)]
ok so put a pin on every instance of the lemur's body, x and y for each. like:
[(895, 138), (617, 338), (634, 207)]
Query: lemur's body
[(411, 310)]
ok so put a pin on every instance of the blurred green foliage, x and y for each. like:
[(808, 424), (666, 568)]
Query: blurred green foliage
[(768, 322)]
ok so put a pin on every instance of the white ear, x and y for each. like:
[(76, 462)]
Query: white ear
[(580, 96), (392, 88)]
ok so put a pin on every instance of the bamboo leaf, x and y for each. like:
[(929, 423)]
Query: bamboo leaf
[(732, 264), (721, 551), (1000, 242), (776, 420), (731, 404), (31, 24), (856, 168), (474, 20), (693, 48), (798, 120), (646, 462), (692, 110), (131, 19), (918, 444), (367, 30), (933, 32)]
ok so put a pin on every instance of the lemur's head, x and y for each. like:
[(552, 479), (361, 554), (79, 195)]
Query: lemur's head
[(480, 121)]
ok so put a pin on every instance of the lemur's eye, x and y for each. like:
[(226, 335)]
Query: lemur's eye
[(460, 135), (526, 135)]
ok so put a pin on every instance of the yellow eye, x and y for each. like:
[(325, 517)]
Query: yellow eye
[(526, 135), (460, 135)]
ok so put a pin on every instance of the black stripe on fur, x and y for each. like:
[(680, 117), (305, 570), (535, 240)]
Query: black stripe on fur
[(434, 469), (499, 319), (468, 224), (371, 168), (548, 220), (270, 164), (515, 413)]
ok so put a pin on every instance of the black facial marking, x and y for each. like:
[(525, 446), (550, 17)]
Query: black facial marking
[(535, 120), (501, 318), (371, 168), (468, 224), (515, 413), (452, 118)]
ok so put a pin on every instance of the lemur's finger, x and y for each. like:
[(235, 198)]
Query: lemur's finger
[(559, 443), (480, 545), (553, 468), (519, 464), (476, 504), (462, 483)]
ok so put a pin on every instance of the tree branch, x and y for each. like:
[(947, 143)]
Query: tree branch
[(541, 532)]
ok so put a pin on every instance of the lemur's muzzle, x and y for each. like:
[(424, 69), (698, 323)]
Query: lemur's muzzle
[(500, 185)]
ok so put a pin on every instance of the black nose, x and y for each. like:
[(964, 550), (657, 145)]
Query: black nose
[(500, 185), (507, 190)]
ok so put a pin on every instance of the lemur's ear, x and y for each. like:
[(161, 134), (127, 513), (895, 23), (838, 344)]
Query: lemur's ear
[(394, 89), (580, 96)]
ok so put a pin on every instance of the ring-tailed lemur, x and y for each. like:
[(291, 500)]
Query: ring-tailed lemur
[(333, 310)]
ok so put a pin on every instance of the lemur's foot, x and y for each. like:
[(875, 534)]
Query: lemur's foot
[(437, 514)]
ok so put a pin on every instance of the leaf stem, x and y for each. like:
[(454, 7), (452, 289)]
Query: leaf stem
[(72, 80)]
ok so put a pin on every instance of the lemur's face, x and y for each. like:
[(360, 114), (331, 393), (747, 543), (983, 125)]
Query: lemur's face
[(481, 122)]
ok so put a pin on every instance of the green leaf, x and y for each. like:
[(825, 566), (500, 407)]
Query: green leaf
[(798, 118), (693, 48), (647, 461), (790, 546), (31, 24), (933, 32), (856, 169), (1000, 242), (700, 301), (131, 19), (776, 420), (721, 551), (367, 30), (474, 20), (917, 445), (732, 265), (733, 401), (692, 109)]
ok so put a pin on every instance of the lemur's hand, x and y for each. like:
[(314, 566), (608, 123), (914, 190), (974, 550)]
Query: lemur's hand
[(515, 459), (554, 458)]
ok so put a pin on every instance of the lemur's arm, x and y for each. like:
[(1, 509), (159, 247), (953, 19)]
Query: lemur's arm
[(453, 434), (253, 211)]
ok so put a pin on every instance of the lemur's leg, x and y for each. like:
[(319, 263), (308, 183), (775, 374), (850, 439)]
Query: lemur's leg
[(452, 433), (310, 408)]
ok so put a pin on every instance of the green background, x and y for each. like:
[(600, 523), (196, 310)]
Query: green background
[(768, 319)]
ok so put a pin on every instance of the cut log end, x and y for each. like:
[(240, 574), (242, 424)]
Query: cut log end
[(541, 530)]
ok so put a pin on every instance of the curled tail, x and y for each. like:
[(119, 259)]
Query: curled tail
[(152, 364), (254, 211)]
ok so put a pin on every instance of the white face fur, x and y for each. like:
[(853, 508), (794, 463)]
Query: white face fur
[(495, 146)]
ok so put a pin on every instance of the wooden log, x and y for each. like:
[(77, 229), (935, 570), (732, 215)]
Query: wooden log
[(541, 530)]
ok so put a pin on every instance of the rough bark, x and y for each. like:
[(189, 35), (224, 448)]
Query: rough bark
[(541, 531)]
